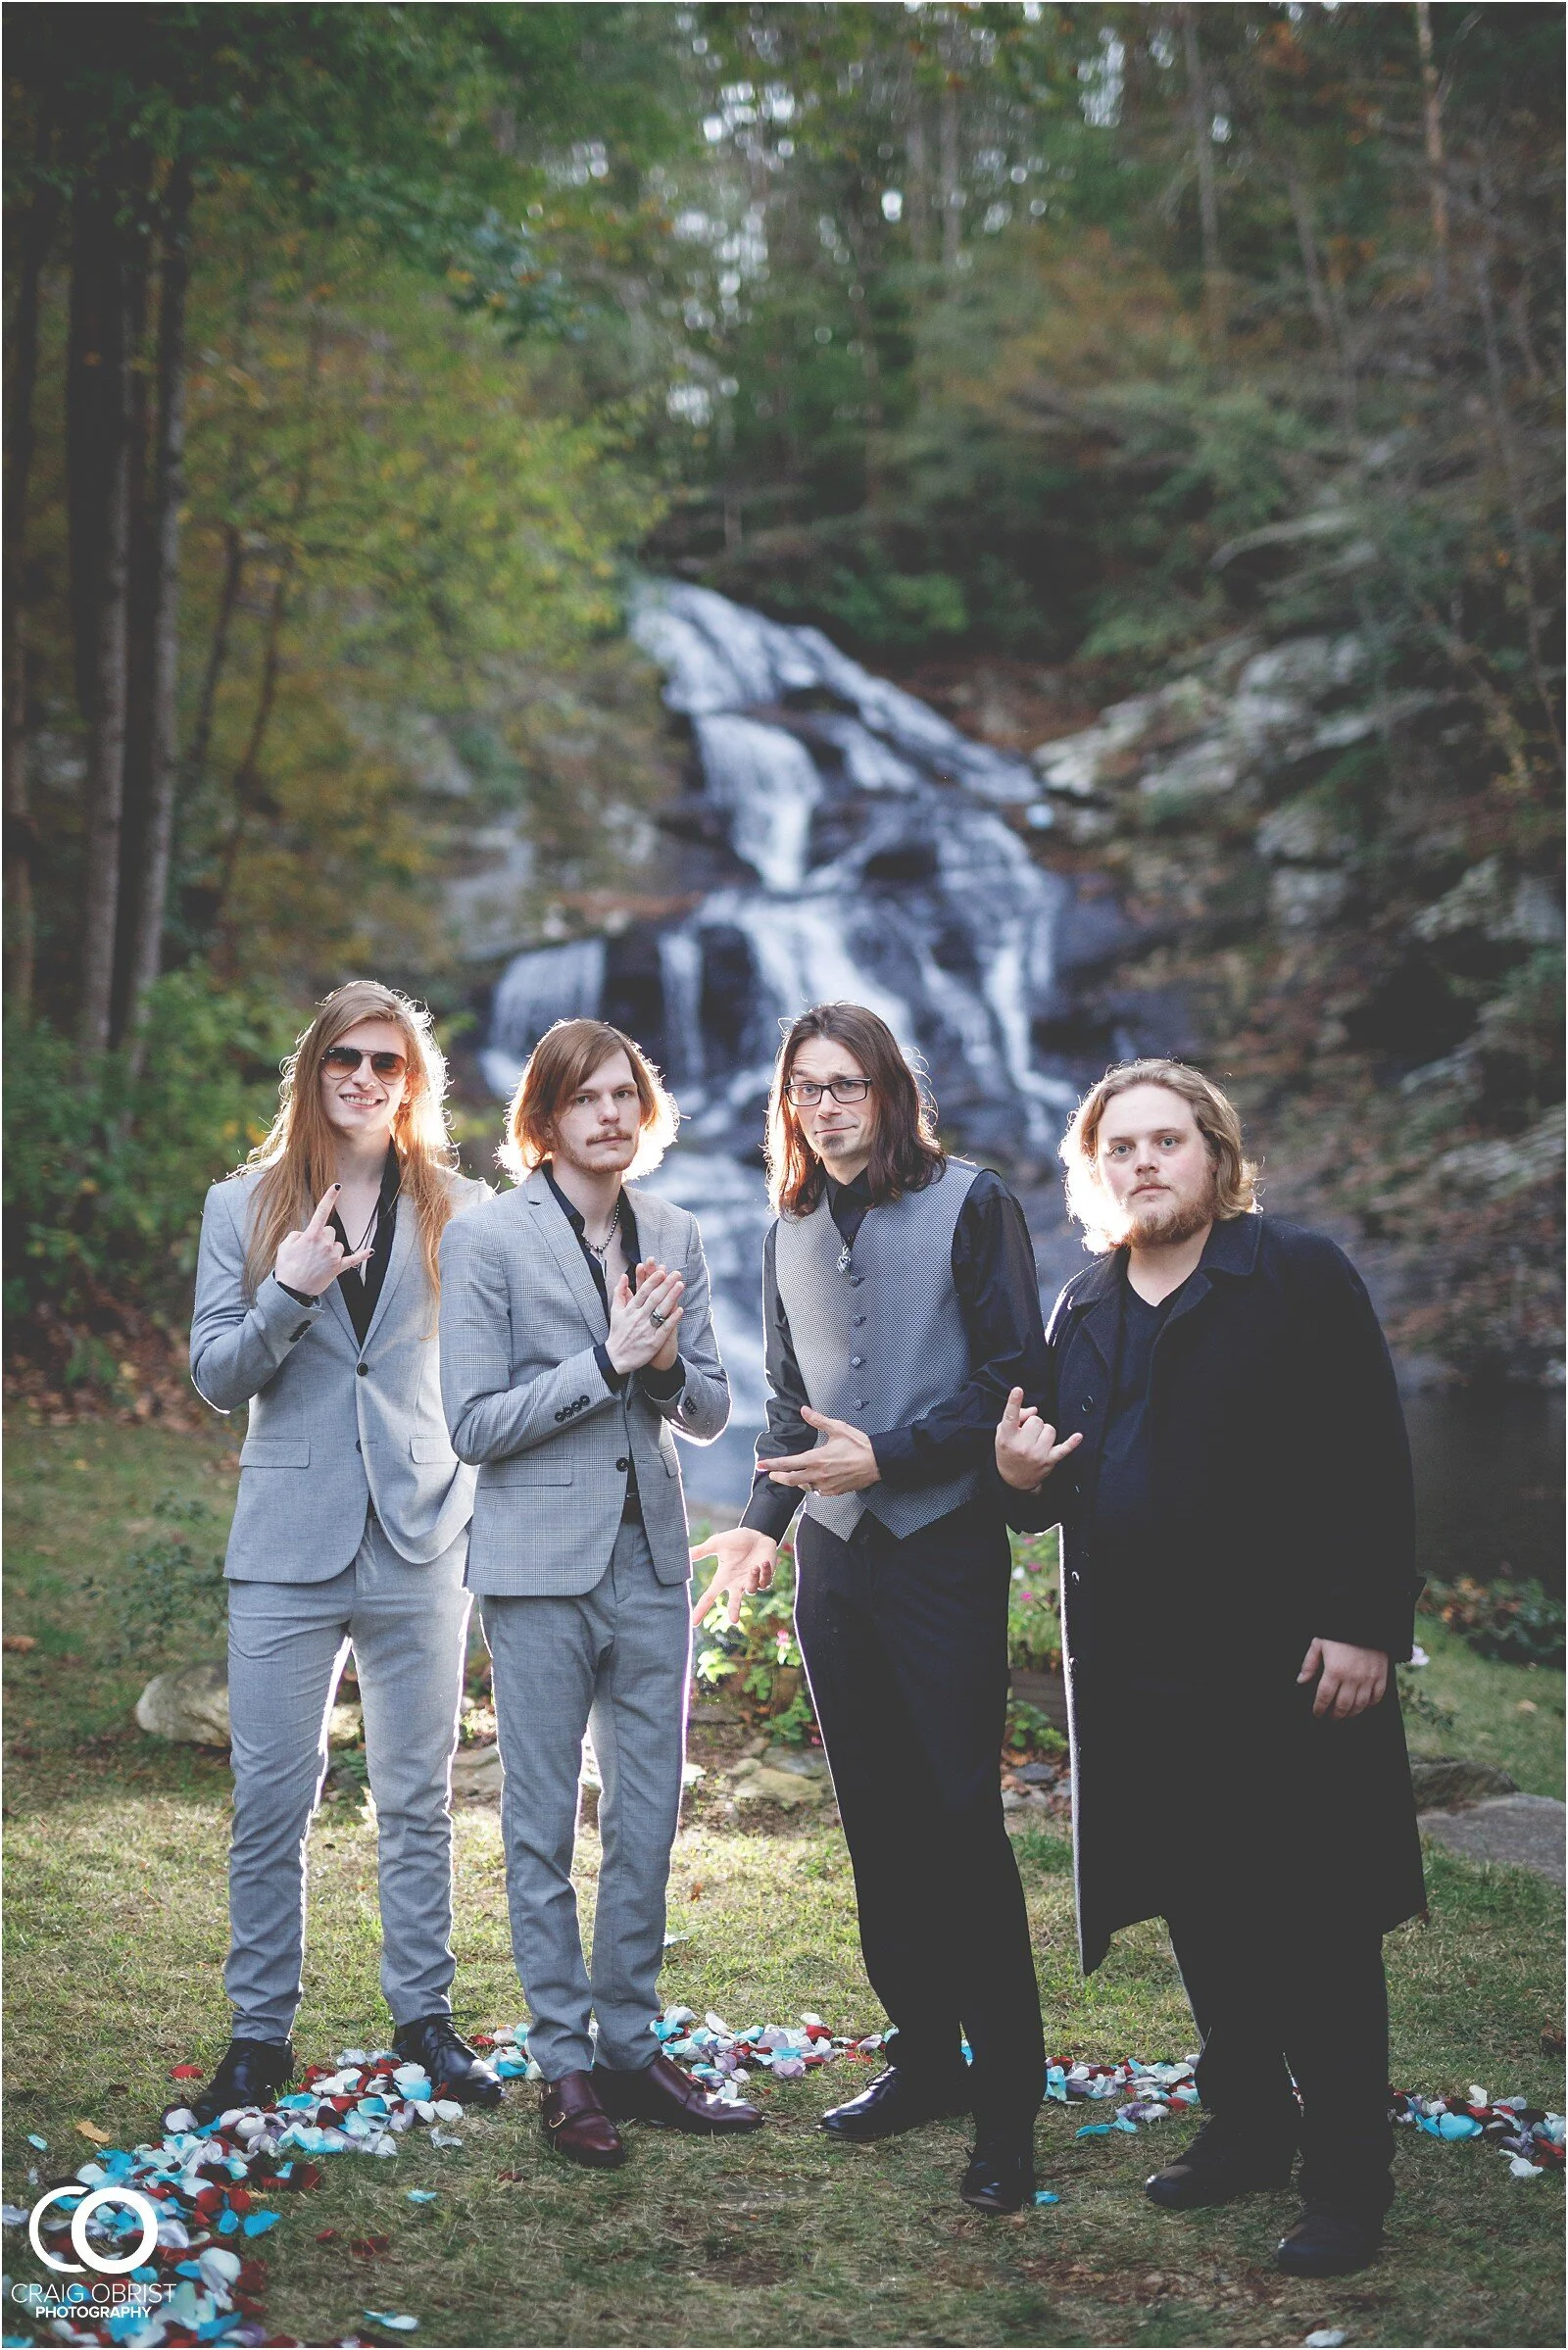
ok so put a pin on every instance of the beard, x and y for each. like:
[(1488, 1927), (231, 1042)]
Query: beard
[(1165, 1221)]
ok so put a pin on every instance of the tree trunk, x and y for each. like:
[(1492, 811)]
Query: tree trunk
[(1202, 119), (36, 231), (951, 187), (99, 418), (1436, 182), (1329, 315), (169, 490)]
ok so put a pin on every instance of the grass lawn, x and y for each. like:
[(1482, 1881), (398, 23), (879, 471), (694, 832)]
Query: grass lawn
[(115, 1944)]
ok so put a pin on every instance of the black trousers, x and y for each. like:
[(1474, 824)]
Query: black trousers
[(1276, 1995), (905, 1649)]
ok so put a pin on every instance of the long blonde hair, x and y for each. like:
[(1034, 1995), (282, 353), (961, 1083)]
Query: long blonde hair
[(1213, 1114), (298, 1154)]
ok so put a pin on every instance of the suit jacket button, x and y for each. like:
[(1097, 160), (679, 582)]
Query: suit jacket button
[(862, 1403), (855, 1280), (1087, 1405), (298, 1334), (623, 1462), (855, 1360), (363, 1370), (860, 1321)]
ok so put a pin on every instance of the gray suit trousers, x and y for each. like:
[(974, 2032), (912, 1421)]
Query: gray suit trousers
[(615, 1661), (287, 1645)]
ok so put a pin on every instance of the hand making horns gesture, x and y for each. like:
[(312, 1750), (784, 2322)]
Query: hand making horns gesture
[(1027, 1450), (312, 1261)]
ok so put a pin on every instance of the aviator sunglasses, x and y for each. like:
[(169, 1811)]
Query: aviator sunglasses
[(344, 1062)]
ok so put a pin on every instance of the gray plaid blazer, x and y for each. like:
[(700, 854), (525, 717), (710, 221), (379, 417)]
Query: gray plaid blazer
[(325, 1434), (521, 1315)]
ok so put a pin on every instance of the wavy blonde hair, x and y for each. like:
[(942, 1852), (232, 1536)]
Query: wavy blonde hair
[(298, 1154), (564, 1058), (1214, 1115)]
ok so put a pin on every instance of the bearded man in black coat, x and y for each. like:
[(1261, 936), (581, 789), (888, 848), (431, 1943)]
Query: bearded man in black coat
[(1238, 1583)]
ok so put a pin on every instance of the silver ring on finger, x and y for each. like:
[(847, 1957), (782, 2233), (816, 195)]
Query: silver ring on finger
[(656, 1318)]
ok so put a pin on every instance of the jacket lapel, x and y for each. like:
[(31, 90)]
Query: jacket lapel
[(336, 1305), (563, 1244), (1097, 1308), (403, 1243)]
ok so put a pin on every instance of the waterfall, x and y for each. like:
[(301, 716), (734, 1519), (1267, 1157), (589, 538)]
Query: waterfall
[(872, 860)]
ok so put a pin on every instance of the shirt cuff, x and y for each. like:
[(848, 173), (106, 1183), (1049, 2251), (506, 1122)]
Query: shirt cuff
[(614, 1380), (299, 1297), (661, 1385), (770, 1508), (897, 1459)]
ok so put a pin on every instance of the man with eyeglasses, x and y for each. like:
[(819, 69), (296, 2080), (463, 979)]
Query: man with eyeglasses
[(902, 1307)]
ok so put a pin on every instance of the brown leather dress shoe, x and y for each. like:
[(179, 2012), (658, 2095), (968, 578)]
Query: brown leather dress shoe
[(663, 2093), (576, 2125)]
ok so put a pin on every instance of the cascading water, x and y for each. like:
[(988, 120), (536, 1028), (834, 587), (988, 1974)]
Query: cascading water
[(869, 861)]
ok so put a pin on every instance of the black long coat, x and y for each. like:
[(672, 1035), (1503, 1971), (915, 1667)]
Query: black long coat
[(1280, 1487)]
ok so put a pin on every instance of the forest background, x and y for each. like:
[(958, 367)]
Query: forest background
[(358, 357)]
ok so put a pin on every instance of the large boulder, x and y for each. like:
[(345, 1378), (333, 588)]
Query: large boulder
[(1443, 1779), (190, 1706)]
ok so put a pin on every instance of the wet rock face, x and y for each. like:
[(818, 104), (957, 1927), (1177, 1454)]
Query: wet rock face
[(866, 850)]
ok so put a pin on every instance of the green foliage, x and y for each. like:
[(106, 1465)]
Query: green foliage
[(1029, 1732), (166, 1599), (1034, 1605), (105, 1173), (757, 1661), (1516, 1623)]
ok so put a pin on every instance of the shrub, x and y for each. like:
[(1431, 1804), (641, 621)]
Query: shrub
[(166, 1603), (1518, 1623), (105, 1173), (757, 1661), (1034, 1605)]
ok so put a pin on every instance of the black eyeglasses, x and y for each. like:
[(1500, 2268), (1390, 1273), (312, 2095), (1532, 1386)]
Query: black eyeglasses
[(804, 1092), (344, 1060)]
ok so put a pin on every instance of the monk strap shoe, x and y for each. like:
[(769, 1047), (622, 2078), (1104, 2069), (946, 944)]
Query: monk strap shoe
[(252, 2073), (1328, 2244), (899, 2099), (455, 2070), (574, 2124), (1218, 2167), (1001, 2177), (661, 2093)]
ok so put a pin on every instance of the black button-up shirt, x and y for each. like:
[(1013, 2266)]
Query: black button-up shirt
[(362, 1286), (655, 1383), (993, 1263)]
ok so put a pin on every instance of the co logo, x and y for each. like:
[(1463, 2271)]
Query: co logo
[(139, 2204)]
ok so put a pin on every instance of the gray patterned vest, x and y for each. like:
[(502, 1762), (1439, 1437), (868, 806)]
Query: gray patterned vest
[(878, 1333)]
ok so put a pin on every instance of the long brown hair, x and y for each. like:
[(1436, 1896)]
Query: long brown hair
[(298, 1156), (1214, 1115), (906, 1155), (564, 1058)]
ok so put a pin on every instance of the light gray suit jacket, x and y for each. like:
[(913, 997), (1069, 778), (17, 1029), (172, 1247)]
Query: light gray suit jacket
[(521, 1314), (333, 1424)]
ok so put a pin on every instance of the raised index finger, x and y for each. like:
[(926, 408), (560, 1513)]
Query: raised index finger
[(318, 1223)]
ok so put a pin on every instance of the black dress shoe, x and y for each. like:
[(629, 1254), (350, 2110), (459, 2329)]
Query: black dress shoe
[(1328, 2244), (251, 2073), (1001, 2177), (455, 2070), (896, 2100), (1218, 2167), (661, 2093)]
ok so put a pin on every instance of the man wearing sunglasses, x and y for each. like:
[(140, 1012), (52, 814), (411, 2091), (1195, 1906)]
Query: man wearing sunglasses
[(901, 1306)]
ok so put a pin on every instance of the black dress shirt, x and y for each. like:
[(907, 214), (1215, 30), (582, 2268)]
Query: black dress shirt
[(1135, 1595), (362, 1286), (661, 1384), (999, 1299)]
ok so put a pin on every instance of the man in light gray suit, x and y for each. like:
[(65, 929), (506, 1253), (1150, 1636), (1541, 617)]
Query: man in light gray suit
[(576, 1337), (316, 1306)]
